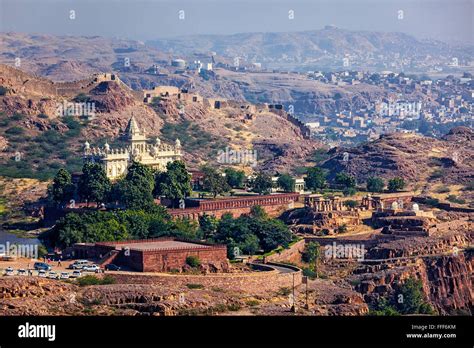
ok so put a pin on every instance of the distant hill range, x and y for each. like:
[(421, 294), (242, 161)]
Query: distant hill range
[(302, 47)]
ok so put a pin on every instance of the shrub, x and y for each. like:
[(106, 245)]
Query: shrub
[(195, 286), (193, 261), (432, 201), (455, 199), (342, 228), (396, 184), (442, 189), (252, 303), (470, 186), (284, 291), (375, 184), (349, 191), (437, 173), (93, 280), (308, 272), (311, 252), (18, 117), (14, 131), (81, 98), (351, 203), (234, 307)]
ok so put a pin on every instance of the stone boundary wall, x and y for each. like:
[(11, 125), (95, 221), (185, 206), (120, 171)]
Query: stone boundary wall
[(254, 283), (274, 205)]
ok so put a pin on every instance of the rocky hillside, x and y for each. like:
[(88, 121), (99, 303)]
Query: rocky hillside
[(67, 58), (31, 127), (415, 158)]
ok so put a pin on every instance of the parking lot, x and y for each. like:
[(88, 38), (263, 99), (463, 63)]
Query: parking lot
[(28, 265)]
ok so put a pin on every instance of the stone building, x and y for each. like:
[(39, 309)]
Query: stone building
[(116, 161), (152, 255)]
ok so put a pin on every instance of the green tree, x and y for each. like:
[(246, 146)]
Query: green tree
[(252, 232), (311, 254), (208, 226), (136, 222), (262, 184), (351, 203), (62, 189), (345, 180), (94, 186), (214, 182), (249, 244), (193, 261), (375, 184), (234, 178), (315, 179), (184, 227), (258, 212), (349, 191), (410, 298), (286, 182), (87, 227), (135, 191), (175, 183), (396, 184)]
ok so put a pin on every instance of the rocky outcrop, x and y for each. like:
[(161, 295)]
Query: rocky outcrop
[(398, 154), (305, 220), (446, 280)]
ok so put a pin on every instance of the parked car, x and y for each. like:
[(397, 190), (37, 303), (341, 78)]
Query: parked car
[(91, 268), (112, 267), (42, 266), (75, 274), (78, 264), (22, 272), (64, 275), (9, 271), (52, 275), (42, 273)]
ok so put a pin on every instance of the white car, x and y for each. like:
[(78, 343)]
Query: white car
[(52, 275), (9, 271), (64, 275), (91, 268), (22, 272), (75, 274), (42, 273), (79, 264)]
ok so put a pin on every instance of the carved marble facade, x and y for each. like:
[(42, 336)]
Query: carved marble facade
[(116, 161)]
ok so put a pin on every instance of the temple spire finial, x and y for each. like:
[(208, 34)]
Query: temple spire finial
[(132, 127)]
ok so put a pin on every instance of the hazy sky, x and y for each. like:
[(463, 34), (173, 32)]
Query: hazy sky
[(149, 19)]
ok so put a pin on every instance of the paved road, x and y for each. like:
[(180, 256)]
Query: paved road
[(279, 268)]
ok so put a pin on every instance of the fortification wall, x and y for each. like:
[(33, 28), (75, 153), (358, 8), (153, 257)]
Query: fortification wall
[(255, 282)]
